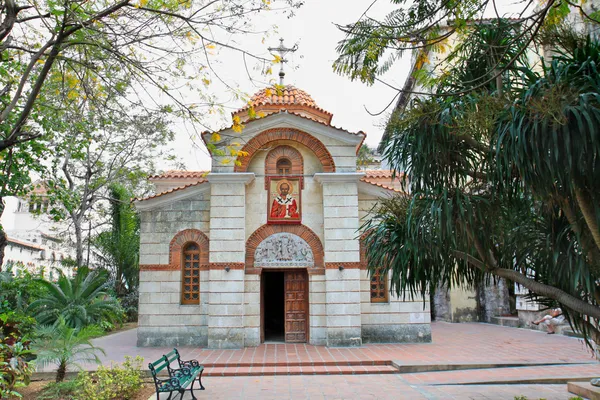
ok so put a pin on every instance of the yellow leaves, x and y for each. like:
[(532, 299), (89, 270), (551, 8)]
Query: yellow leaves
[(142, 3), (237, 125), (210, 46), (242, 153), (72, 95), (268, 92), (276, 59), (206, 81), (269, 71), (261, 114), (226, 161), (215, 137)]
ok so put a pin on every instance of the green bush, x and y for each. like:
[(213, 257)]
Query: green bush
[(117, 382)]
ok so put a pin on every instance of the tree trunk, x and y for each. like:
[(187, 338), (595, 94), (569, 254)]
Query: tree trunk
[(3, 237), (78, 241), (61, 371), (589, 215)]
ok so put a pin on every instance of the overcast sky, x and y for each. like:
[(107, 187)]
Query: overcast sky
[(310, 69)]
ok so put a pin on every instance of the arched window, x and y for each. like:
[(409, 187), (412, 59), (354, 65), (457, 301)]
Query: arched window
[(190, 274), (284, 166)]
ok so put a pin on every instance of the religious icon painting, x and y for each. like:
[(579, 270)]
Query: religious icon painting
[(284, 201)]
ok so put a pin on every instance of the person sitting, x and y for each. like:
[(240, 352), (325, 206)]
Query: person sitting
[(550, 321)]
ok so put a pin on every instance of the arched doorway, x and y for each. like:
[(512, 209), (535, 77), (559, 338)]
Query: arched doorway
[(284, 259)]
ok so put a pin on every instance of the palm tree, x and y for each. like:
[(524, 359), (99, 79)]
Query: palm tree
[(63, 345), (80, 301)]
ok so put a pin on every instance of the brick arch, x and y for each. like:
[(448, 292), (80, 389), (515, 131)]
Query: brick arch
[(271, 135), (299, 230), (181, 239), (288, 152)]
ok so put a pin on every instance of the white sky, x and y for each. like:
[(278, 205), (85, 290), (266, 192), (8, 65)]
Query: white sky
[(310, 69)]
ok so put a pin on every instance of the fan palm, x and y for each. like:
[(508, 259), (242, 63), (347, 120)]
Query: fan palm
[(80, 301), (63, 346)]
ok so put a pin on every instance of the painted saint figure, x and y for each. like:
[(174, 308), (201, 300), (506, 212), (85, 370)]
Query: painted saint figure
[(284, 205)]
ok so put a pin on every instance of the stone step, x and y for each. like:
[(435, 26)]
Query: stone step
[(301, 370), (512, 322), (331, 363)]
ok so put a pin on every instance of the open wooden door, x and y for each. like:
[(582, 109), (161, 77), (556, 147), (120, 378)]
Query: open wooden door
[(296, 306)]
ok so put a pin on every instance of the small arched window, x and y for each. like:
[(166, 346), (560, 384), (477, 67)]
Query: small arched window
[(379, 289), (284, 166), (190, 274)]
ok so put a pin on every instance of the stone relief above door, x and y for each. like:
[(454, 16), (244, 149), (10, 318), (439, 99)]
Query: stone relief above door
[(283, 250)]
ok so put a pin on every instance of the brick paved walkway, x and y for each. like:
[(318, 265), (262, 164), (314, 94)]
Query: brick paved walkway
[(381, 387), (393, 370), (471, 343)]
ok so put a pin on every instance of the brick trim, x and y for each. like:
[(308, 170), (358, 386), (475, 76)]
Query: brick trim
[(181, 239), (254, 271), (270, 135), (299, 230), (222, 265), (288, 152), (346, 265), (157, 267)]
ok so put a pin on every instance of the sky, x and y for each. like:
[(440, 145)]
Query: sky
[(309, 69)]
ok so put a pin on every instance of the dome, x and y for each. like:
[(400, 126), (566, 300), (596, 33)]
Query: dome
[(286, 95), (274, 99)]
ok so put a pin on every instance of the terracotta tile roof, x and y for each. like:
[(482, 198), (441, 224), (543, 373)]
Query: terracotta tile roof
[(287, 96), (378, 173), (381, 185), (154, 196), (180, 174), (24, 244), (364, 134)]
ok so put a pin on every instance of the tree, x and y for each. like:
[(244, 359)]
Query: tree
[(493, 187), (63, 345), (53, 53), (364, 156), (372, 46), (78, 302), (120, 245)]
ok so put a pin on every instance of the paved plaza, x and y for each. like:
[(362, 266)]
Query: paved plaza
[(464, 361)]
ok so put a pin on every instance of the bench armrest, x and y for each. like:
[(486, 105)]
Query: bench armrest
[(189, 364), (167, 385)]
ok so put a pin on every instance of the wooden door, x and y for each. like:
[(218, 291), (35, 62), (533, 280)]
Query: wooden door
[(296, 306)]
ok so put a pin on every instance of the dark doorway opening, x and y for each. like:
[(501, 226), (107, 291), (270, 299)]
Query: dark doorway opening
[(274, 306)]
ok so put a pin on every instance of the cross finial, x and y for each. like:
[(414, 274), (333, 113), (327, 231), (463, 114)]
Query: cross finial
[(282, 50)]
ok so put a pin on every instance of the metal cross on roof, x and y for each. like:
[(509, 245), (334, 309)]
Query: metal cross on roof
[(282, 50)]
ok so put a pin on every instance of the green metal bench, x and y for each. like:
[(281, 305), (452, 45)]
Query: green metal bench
[(180, 376)]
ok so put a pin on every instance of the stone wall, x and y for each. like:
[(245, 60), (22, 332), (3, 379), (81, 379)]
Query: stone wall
[(163, 320)]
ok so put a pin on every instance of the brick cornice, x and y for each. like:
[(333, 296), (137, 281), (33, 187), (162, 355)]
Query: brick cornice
[(270, 135), (157, 267), (302, 231), (346, 265), (223, 265)]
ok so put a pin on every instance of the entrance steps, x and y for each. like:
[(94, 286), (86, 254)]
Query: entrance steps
[(301, 368)]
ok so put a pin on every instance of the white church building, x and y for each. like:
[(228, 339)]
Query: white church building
[(268, 248)]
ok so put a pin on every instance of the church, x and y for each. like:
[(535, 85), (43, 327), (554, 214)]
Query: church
[(267, 248)]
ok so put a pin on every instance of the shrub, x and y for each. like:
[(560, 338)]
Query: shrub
[(129, 302), (65, 390), (117, 382)]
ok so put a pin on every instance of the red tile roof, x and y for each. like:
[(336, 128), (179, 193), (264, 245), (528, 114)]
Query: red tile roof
[(154, 196), (381, 185), (289, 98), (180, 174)]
